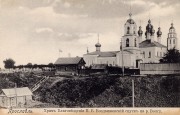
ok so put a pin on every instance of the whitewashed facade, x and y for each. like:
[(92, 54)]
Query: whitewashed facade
[(133, 49)]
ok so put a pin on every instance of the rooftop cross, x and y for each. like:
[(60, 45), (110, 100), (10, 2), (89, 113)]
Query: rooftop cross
[(98, 37), (130, 14)]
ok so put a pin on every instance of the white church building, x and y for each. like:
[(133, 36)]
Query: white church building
[(133, 50)]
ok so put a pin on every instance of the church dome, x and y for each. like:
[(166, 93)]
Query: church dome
[(130, 21), (159, 33), (172, 27), (149, 26), (98, 44)]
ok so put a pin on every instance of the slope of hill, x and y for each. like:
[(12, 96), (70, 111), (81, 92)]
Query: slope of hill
[(108, 91), (101, 90)]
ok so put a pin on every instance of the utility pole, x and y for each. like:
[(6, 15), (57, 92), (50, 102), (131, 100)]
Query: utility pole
[(16, 93), (132, 93), (122, 57)]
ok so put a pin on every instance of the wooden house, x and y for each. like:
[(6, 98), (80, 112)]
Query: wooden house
[(15, 97), (69, 65)]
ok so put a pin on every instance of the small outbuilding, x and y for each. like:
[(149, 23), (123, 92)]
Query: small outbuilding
[(69, 65), (15, 97)]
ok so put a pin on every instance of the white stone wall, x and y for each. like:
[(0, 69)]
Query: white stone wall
[(107, 60), (156, 54), (127, 57), (90, 59), (94, 59)]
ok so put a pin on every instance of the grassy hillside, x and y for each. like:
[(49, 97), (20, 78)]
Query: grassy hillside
[(21, 80), (111, 91), (101, 91)]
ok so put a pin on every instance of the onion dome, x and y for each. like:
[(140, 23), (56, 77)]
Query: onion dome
[(149, 26), (159, 33), (140, 32), (130, 20), (98, 44), (172, 27)]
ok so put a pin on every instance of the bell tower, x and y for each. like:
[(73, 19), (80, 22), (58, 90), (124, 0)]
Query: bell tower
[(130, 39), (172, 38)]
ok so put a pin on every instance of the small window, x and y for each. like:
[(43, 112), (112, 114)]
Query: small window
[(135, 45), (66, 68), (170, 41), (127, 42), (157, 54), (149, 54), (174, 41), (160, 54), (113, 63), (128, 30), (144, 54)]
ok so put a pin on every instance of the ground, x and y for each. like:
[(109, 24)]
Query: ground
[(100, 90)]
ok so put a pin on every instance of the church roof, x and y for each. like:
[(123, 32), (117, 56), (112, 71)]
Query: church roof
[(68, 60), (104, 54), (107, 53), (148, 43)]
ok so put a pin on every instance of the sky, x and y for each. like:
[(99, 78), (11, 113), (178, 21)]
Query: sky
[(33, 31)]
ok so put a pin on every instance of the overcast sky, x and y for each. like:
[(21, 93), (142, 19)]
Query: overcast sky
[(34, 30)]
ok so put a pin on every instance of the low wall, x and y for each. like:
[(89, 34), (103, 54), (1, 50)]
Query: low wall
[(160, 68)]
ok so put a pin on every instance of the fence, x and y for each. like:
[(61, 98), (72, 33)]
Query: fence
[(160, 68)]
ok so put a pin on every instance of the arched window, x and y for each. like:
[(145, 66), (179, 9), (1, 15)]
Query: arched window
[(144, 54), (135, 44), (128, 30), (149, 54), (127, 42), (174, 41)]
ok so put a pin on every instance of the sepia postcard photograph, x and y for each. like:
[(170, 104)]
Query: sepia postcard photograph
[(90, 57)]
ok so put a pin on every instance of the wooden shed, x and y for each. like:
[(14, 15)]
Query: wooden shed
[(15, 97)]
